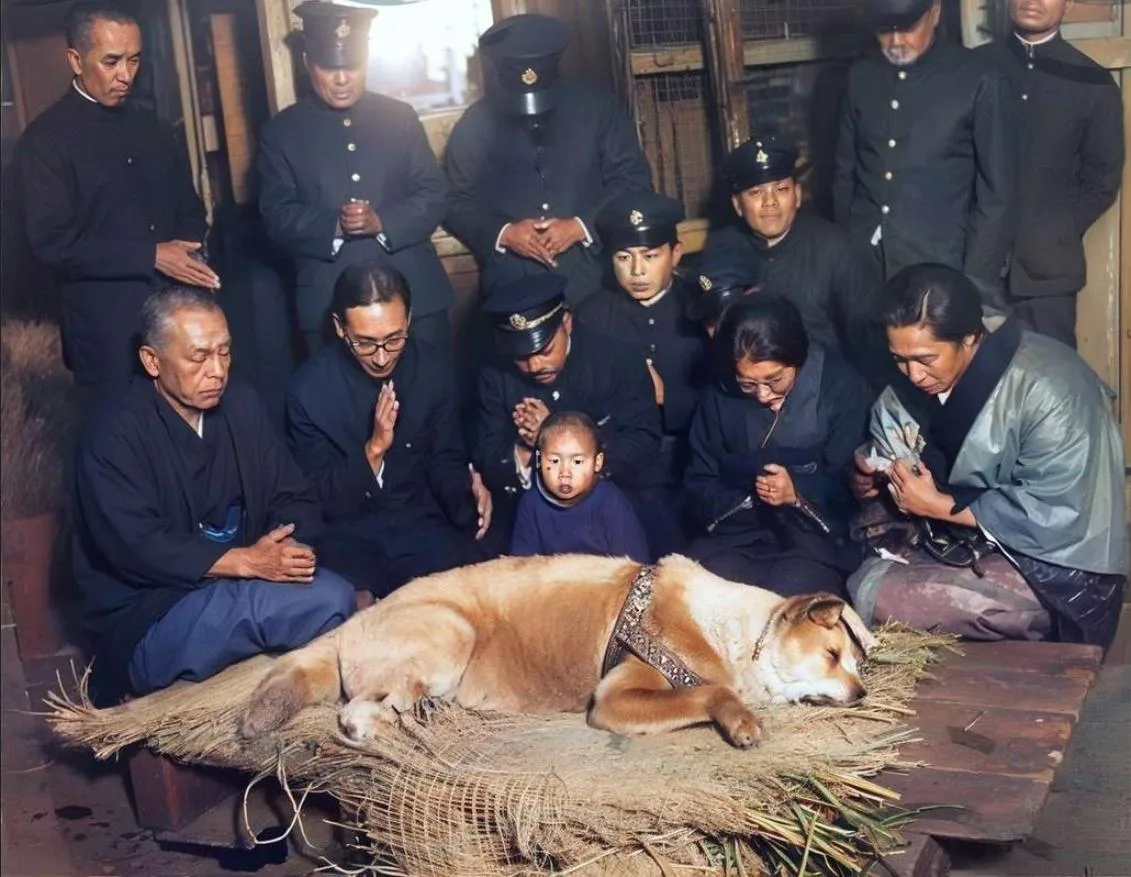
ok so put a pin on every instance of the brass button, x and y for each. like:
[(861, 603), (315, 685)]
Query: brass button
[(887, 175), (891, 144), (347, 122), (355, 177), (651, 321), (895, 105), (902, 74), (352, 147), (1024, 97), (885, 210)]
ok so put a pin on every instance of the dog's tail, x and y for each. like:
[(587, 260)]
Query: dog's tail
[(307, 676)]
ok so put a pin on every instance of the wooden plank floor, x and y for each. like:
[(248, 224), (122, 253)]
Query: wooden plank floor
[(995, 722)]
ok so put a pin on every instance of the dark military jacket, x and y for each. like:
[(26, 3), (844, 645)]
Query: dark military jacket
[(100, 188), (500, 172), (661, 332), (929, 154), (603, 378), (818, 268), (312, 159), (1071, 158)]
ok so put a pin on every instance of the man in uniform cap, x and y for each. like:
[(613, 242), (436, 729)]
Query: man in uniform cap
[(926, 162), (644, 304), (797, 255), (722, 280), (1071, 161), (347, 176), (533, 162), (548, 364)]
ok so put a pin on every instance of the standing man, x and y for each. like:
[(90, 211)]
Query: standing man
[(373, 422), (797, 255), (1071, 161), (645, 305), (533, 162), (926, 163), (347, 176), (556, 366), (108, 201)]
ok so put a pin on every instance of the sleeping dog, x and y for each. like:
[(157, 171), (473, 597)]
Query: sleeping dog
[(643, 649)]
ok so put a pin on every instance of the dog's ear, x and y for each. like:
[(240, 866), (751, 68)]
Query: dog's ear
[(859, 630), (825, 610)]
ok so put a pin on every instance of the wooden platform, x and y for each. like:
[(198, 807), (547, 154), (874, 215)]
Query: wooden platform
[(995, 723)]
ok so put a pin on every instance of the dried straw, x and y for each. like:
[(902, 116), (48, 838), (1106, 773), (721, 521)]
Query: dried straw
[(455, 792), (38, 419)]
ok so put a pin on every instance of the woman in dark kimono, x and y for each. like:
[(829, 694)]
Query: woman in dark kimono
[(771, 449), (1001, 468)]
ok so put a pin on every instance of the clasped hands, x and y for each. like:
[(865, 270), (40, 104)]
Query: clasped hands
[(542, 240), (912, 488), (357, 219)]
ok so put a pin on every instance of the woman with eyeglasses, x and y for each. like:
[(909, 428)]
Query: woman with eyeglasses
[(771, 449), (373, 422), (993, 482)]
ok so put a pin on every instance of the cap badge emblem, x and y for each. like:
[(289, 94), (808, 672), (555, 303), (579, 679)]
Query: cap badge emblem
[(761, 157), (636, 217), (705, 283), (529, 77), (518, 322), (342, 30)]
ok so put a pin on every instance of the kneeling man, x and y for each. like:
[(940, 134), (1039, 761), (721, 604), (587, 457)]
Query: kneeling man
[(193, 523), (373, 422)]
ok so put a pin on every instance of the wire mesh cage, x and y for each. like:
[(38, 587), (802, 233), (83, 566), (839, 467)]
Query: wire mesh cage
[(675, 132), (664, 22), (792, 19)]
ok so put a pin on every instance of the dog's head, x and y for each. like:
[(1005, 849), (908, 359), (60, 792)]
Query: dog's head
[(813, 651)]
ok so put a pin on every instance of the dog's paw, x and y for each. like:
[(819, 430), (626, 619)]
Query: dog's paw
[(742, 728), (362, 720)]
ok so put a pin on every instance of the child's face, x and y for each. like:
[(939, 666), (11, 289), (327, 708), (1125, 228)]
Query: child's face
[(569, 463)]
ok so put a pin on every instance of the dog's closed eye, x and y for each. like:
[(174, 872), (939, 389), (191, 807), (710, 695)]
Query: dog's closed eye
[(834, 655)]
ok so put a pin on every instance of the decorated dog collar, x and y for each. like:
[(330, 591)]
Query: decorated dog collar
[(630, 637)]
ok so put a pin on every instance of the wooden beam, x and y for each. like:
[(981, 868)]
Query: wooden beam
[(722, 24), (275, 26), (1123, 341), (1114, 53), (1084, 11), (755, 53), (239, 138), (183, 58)]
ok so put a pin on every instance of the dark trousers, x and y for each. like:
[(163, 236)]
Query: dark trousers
[(660, 512), (228, 620), (784, 575), (1053, 315), (391, 553)]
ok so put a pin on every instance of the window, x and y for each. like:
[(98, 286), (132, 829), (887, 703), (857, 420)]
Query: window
[(422, 52)]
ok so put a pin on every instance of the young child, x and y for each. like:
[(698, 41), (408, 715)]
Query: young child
[(571, 509)]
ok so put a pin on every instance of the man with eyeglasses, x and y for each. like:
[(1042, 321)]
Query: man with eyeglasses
[(347, 176), (374, 423), (195, 531)]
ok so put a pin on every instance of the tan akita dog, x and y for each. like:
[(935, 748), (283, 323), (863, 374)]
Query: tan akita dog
[(534, 635)]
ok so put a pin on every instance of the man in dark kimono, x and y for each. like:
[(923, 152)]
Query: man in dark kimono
[(1071, 162), (533, 162), (927, 155), (548, 364), (797, 255), (108, 200), (347, 176), (193, 523), (645, 304), (373, 422)]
